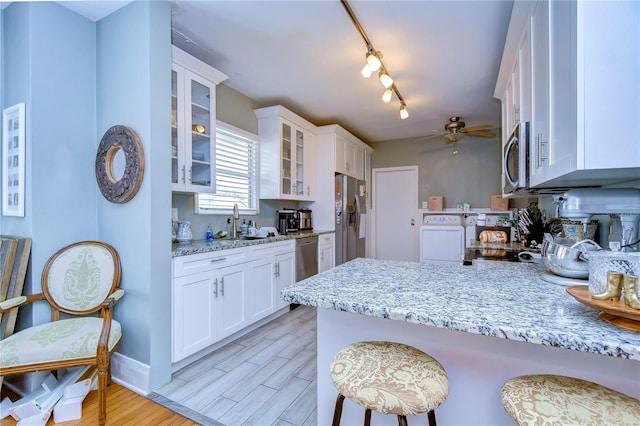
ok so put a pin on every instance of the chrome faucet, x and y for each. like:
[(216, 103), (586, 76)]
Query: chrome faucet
[(234, 224)]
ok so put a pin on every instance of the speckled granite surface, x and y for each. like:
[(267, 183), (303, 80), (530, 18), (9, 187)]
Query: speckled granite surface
[(500, 299), (203, 246)]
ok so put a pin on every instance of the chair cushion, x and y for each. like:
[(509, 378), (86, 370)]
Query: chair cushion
[(57, 340), (390, 378), (559, 400)]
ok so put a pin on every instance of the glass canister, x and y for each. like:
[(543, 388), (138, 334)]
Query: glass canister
[(601, 262)]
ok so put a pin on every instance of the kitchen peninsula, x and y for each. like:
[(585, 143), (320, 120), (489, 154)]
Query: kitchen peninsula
[(485, 323)]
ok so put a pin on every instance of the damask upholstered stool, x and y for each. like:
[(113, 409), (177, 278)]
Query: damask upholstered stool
[(559, 400), (391, 378)]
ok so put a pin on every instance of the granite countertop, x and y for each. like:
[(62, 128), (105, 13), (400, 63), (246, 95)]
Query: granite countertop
[(500, 299), (204, 246)]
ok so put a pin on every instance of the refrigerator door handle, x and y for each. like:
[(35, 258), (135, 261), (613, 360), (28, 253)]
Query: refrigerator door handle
[(356, 222)]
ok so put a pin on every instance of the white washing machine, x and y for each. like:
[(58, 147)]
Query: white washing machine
[(442, 239)]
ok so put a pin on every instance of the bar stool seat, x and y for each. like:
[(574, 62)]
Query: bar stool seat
[(546, 399), (391, 378)]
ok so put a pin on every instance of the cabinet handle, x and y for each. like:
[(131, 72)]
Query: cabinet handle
[(275, 269), (222, 286), (184, 175), (308, 190), (190, 175), (215, 288), (542, 148), (218, 259), (278, 269)]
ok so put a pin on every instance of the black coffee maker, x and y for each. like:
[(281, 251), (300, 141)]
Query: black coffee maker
[(288, 221)]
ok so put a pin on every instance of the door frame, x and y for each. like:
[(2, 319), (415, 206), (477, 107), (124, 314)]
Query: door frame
[(372, 241)]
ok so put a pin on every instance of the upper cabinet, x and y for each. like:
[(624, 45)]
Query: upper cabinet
[(584, 67), (287, 155), (193, 123), (349, 157)]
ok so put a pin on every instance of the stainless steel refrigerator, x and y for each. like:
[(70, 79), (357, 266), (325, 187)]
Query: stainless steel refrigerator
[(350, 218)]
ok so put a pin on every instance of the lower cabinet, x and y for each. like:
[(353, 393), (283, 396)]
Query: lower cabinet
[(219, 293), (194, 324), (285, 276), (272, 270), (326, 252)]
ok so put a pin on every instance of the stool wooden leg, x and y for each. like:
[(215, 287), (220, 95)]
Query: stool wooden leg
[(431, 415), (337, 413), (367, 417), (402, 420)]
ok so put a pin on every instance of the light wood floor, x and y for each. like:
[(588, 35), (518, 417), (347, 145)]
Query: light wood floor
[(267, 377), (124, 407)]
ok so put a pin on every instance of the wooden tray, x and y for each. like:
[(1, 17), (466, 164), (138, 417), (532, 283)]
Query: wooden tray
[(616, 313)]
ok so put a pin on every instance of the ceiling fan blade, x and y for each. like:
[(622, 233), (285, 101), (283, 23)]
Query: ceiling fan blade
[(424, 138), (478, 127), (482, 134)]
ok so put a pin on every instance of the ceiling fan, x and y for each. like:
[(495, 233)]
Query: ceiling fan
[(455, 130)]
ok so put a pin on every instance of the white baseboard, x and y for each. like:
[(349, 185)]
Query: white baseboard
[(130, 373)]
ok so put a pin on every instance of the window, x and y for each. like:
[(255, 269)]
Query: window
[(236, 168)]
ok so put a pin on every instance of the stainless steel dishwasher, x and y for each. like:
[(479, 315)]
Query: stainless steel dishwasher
[(306, 257)]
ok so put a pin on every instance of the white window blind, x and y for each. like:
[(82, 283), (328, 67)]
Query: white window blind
[(236, 166)]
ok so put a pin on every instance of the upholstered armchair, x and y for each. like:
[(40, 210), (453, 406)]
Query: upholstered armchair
[(79, 280)]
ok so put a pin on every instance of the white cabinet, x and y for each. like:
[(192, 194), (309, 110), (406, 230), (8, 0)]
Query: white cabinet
[(194, 325), (193, 121), (349, 157), (209, 299), (326, 252), (585, 80), (539, 138), (273, 268), (287, 155), (285, 275), (232, 302)]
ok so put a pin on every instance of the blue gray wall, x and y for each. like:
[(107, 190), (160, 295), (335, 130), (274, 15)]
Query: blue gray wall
[(77, 79)]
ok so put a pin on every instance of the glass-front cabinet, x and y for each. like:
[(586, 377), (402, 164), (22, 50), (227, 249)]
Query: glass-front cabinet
[(193, 121), (286, 155)]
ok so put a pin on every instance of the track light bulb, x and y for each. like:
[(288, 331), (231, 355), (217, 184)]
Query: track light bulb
[(373, 61), (385, 80), (366, 71), (386, 96), (403, 112)]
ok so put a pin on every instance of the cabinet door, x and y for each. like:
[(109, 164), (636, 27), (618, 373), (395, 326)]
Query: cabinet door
[(194, 314), (286, 275), (232, 299), (326, 257), (263, 276), (524, 77), (287, 139), (515, 95), (540, 91), (341, 160), (178, 166), (193, 132), (310, 159), (358, 162)]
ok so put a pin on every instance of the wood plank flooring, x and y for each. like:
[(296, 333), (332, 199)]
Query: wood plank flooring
[(124, 407), (267, 377)]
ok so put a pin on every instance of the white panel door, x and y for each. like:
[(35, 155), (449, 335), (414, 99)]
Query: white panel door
[(394, 211)]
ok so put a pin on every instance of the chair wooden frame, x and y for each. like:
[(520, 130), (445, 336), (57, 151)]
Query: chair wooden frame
[(102, 359)]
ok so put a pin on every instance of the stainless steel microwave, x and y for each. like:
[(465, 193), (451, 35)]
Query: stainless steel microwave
[(515, 161)]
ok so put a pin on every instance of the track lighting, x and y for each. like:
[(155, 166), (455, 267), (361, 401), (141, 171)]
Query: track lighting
[(385, 79), (374, 63), (403, 111), (366, 71), (386, 96)]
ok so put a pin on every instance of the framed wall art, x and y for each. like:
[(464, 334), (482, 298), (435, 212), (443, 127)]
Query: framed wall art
[(13, 160)]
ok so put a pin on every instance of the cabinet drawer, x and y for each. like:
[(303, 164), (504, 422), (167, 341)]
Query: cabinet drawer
[(325, 239), (195, 263), (270, 249)]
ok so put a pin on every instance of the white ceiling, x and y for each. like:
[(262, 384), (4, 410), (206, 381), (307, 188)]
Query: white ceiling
[(307, 55)]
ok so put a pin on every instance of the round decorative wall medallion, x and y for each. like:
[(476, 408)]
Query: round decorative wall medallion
[(116, 141)]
